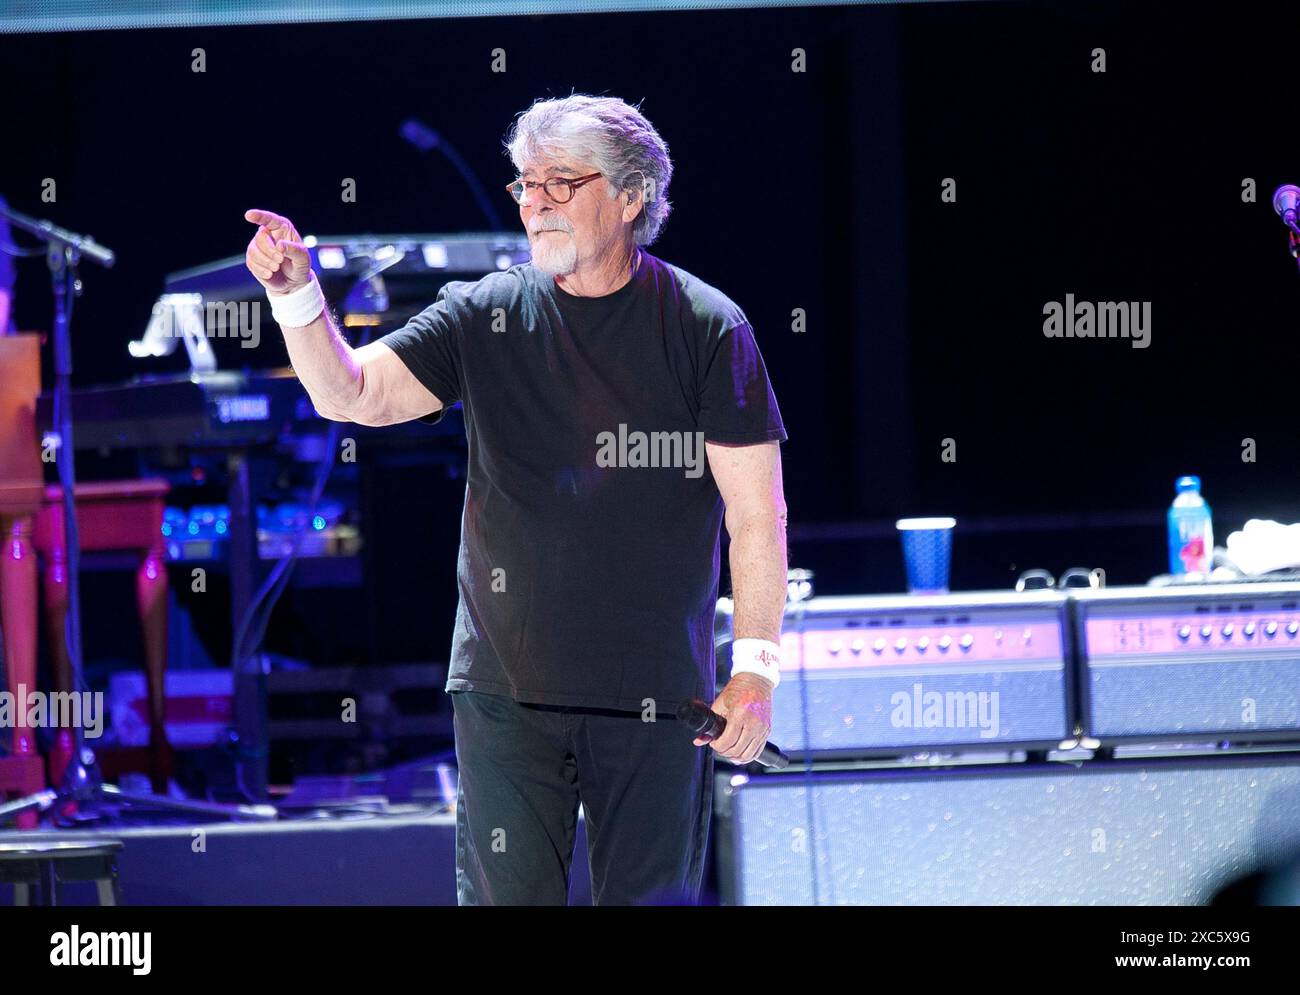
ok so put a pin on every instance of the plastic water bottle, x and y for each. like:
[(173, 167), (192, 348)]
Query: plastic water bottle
[(1191, 533)]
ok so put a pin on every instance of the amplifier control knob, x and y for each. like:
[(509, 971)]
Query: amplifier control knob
[(1184, 632), (1027, 635), (1248, 630), (1292, 628), (858, 646), (944, 643), (836, 647), (878, 646), (997, 636), (1206, 632), (967, 641), (1270, 629), (923, 644), (900, 645), (1228, 630)]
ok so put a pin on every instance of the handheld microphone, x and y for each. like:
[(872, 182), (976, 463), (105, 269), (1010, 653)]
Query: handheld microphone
[(703, 721)]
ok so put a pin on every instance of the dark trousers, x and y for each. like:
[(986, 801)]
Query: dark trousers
[(645, 790)]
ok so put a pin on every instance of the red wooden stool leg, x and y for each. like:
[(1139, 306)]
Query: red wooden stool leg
[(54, 585), (151, 599), (18, 621)]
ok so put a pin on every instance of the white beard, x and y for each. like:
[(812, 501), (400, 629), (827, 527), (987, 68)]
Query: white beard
[(555, 254)]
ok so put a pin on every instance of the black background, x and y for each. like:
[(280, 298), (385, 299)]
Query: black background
[(816, 190)]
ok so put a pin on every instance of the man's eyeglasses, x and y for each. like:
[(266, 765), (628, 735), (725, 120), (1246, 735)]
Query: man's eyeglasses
[(558, 188)]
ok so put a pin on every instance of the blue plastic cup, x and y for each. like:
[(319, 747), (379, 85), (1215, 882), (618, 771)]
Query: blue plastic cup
[(927, 553)]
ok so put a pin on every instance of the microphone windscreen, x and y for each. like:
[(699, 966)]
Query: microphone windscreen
[(1285, 198)]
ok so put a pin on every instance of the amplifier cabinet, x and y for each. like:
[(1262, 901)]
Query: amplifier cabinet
[(1127, 832), (886, 675), (1197, 661)]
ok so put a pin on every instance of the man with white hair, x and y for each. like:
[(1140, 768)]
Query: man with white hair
[(617, 409)]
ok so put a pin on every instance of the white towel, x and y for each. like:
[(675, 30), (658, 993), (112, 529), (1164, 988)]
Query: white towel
[(1262, 546)]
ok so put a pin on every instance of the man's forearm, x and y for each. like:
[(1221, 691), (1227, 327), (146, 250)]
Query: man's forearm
[(758, 577), (323, 361)]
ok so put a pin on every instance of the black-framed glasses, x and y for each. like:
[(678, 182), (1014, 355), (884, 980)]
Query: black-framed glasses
[(558, 188)]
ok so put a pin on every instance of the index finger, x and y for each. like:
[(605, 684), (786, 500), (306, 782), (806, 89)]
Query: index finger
[(268, 218)]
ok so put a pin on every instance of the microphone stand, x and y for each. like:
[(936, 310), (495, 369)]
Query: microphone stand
[(82, 783), (425, 138), (1286, 199)]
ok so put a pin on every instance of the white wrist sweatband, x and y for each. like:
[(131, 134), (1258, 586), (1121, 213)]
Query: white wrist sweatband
[(756, 656), (299, 308)]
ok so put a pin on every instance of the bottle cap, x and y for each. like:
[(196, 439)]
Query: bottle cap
[(1188, 483)]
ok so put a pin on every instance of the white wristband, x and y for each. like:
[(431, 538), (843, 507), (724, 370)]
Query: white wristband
[(756, 656), (299, 308)]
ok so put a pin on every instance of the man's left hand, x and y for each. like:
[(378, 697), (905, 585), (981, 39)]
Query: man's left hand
[(746, 704)]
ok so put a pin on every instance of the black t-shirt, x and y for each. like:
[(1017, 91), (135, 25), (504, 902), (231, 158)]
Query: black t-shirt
[(589, 554)]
